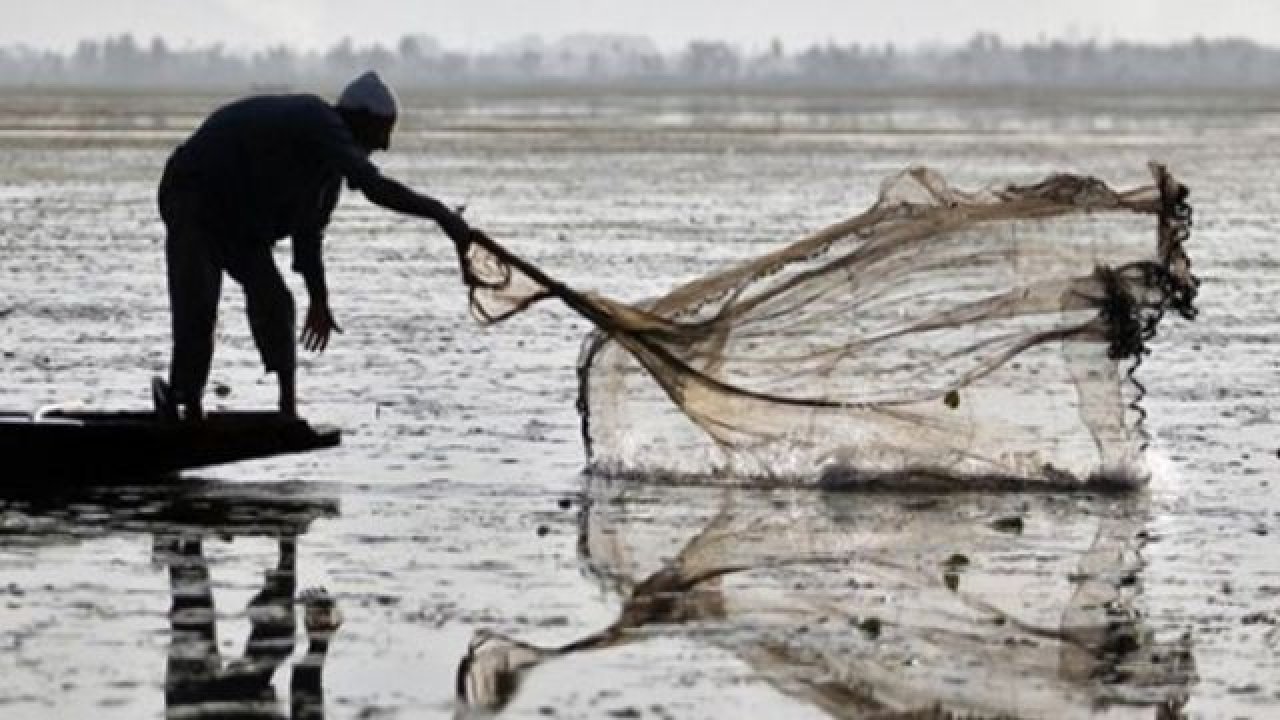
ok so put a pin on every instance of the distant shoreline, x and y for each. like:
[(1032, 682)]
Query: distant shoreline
[(494, 88), (601, 63)]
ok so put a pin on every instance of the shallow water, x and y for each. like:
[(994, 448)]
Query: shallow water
[(456, 502)]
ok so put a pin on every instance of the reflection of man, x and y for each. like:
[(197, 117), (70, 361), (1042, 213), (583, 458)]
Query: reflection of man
[(198, 685)]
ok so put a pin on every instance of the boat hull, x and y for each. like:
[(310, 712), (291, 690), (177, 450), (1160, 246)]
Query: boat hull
[(127, 446)]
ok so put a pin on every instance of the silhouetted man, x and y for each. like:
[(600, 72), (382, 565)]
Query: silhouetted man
[(258, 170)]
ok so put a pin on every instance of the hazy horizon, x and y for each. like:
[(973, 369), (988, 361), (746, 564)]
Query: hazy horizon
[(417, 61), (481, 25)]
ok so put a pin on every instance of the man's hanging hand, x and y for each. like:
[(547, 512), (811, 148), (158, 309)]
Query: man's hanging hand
[(318, 327)]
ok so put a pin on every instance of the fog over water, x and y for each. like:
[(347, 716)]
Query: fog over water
[(483, 25), (620, 60)]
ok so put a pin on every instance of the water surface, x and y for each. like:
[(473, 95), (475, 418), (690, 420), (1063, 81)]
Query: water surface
[(456, 503)]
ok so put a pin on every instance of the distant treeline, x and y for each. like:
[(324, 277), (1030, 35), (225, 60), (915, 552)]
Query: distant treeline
[(419, 61)]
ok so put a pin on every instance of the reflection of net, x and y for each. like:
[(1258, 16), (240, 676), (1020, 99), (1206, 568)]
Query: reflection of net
[(990, 334), (874, 605)]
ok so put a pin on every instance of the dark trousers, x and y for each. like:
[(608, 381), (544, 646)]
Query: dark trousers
[(195, 258)]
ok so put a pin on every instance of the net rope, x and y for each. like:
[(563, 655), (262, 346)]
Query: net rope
[(992, 336)]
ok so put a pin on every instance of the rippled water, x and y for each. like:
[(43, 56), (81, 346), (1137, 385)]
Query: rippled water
[(456, 503)]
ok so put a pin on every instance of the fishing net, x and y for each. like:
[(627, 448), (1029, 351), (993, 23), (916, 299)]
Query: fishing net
[(990, 335)]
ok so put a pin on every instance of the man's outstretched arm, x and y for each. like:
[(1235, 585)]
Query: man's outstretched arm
[(332, 138), (393, 195)]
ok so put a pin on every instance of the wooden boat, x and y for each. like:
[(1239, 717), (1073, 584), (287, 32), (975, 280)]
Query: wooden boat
[(127, 446)]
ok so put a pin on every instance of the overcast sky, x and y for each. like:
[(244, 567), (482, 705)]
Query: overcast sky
[(483, 24)]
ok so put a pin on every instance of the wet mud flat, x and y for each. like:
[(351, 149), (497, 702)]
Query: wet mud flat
[(455, 523)]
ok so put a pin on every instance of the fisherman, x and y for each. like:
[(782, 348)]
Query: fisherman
[(257, 170)]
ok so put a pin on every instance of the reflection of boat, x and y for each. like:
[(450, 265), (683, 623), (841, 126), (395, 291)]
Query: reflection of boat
[(197, 506), (101, 446), (977, 605)]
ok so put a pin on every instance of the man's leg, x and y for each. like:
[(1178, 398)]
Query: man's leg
[(271, 318), (306, 688), (271, 623), (195, 284), (193, 662)]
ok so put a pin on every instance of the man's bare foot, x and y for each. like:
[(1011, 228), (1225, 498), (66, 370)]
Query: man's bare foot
[(288, 395), (162, 398), (169, 407)]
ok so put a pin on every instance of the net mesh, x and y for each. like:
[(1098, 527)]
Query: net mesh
[(990, 335)]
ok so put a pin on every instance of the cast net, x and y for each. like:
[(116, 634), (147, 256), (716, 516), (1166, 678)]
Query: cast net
[(991, 336)]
